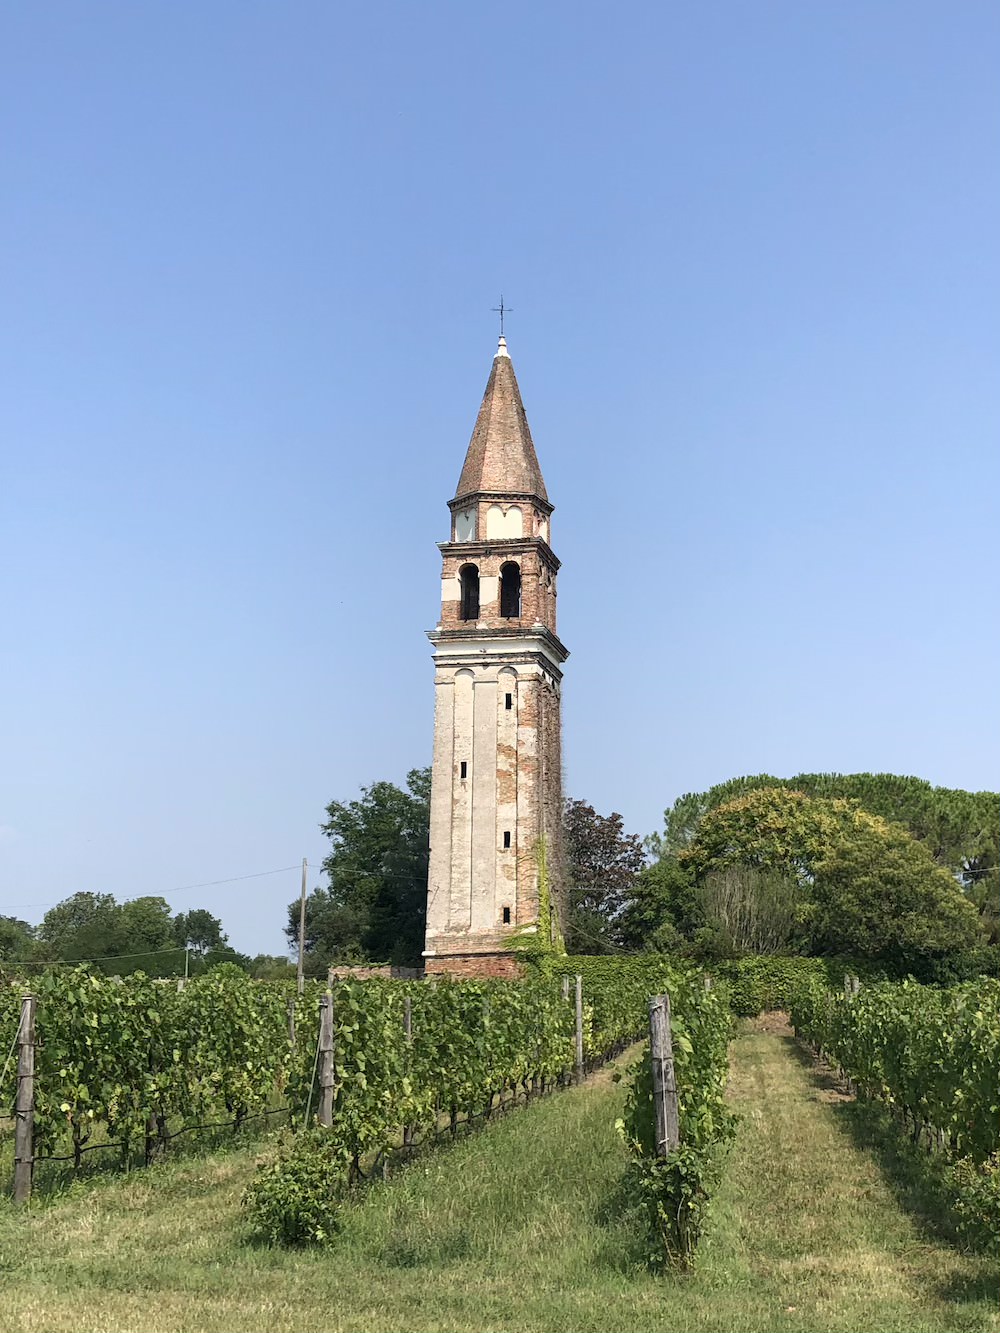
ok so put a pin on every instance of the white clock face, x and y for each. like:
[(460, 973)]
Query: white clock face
[(465, 525)]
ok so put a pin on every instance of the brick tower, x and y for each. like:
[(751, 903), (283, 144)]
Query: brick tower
[(496, 789)]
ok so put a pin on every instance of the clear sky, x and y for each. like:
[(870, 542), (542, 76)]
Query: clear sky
[(249, 252)]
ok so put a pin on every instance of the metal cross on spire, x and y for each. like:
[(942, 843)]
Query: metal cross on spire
[(500, 310)]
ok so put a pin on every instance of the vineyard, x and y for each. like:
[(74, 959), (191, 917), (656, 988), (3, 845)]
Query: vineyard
[(931, 1058), (129, 1066)]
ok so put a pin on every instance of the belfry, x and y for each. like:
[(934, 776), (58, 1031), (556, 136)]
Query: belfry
[(496, 869)]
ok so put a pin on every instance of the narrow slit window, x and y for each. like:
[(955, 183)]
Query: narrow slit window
[(508, 701), (506, 916), (506, 837), (463, 769)]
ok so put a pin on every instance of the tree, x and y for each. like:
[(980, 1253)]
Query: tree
[(145, 926), (961, 829), (750, 910), (271, 967), (199, 931), (865, 885), (374, 908), (602, 862), (16, 939), (663, 909), (83, 926)]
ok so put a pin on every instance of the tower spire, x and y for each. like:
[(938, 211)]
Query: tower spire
[(501, 457)]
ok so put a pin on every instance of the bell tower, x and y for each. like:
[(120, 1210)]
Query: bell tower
[(496, 787)]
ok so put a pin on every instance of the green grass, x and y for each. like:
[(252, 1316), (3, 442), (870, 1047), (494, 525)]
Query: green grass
[(520, 1227)]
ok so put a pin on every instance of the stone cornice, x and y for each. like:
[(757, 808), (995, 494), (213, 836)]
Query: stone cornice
[(536, 645), (502, 545), (501, 497)]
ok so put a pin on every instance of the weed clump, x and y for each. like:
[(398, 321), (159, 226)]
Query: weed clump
[(295, 1199)]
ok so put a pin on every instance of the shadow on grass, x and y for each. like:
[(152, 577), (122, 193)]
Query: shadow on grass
[(54, 1178), (918, 1179), (624, 1246)]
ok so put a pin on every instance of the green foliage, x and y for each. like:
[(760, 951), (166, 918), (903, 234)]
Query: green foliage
[(757, 985), (472, 1042), (199, 931), (85, 925), (663, 909), (932, 1056), (133, 1057), (866, 887), (602, 862), (16, 939), (294, 1199), (959, 829), (375, 906), (975, 1190), (616, 995), (138, 935), (676, 1190)]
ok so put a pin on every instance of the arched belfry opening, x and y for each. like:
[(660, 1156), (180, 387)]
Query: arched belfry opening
[(469, 579), (510, 590)]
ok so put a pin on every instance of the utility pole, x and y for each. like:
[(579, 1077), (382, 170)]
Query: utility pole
[(301, 977)]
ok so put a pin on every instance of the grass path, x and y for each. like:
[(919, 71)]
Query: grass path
[(521, 1227)]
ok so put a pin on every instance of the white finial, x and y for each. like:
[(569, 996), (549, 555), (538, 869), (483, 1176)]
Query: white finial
[(502, 347)]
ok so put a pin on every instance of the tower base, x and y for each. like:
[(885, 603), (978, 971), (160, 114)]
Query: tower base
[(474, 966)]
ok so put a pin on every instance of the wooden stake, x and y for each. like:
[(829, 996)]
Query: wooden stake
[(579, 1028), (565, 987), (24, 1106), (408, 1033), (300, 978), (325, 1113), (664, 1082)]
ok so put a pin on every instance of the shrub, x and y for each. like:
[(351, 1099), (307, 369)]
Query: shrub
[(294, 1200), (976, 1201)]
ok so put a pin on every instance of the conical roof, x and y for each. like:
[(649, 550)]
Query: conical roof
[(501, 457)]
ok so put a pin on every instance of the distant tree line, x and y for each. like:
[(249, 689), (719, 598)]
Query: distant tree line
[(885, 867), (139, 935)]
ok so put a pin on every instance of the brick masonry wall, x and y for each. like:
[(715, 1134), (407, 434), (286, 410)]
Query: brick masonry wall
[(538, 585), (476, 966)]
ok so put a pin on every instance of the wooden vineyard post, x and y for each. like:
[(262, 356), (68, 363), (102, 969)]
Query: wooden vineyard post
[(24, 1106), (325, 1113), (565, 987), (408, 1033), (579, 1028), (664, 1082)]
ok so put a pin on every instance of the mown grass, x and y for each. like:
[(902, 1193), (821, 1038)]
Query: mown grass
[(520, 1227)]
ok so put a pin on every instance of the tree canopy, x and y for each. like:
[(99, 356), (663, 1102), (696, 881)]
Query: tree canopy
[(864, 885), (602, 862), (375, 905), (139, 934), (960, 829)]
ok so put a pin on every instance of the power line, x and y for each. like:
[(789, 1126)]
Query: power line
[(186, 888), (102, 958)]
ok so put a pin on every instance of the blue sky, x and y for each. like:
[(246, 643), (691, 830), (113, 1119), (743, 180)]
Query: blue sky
[(248, 255)]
